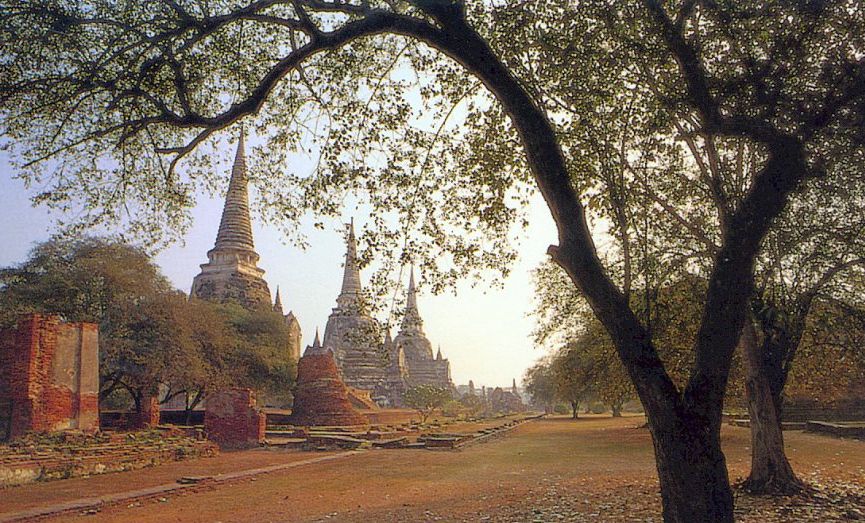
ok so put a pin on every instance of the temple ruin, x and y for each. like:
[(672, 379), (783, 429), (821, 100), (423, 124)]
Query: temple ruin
[(49, 376), (386, 367), (321, 397), (231, 272)]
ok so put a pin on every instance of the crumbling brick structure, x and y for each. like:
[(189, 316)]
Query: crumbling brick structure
[(321, 397), (49, 376), (149, 415), (232, 420)]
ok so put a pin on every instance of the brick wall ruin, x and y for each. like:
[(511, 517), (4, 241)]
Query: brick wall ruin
[(149, 415), (232, 420), (321, 397), (49, 376)]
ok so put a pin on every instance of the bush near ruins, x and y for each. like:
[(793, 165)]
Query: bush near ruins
[(426, 399), (472, 404)]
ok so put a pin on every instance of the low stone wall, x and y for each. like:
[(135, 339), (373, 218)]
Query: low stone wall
[(838, 429), (406, 436), (841, 410), (232, 420), (61, 456)]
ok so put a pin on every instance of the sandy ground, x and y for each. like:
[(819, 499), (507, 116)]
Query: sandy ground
[(596, 469)]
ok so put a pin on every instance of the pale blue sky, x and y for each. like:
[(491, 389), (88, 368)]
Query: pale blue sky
[(484, 330)]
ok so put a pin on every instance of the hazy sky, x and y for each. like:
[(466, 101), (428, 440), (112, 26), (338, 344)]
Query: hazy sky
[(484, 331)]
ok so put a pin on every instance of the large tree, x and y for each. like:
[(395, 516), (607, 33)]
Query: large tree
[(666, 202), (118, 94), (102, 281), (150, 335)]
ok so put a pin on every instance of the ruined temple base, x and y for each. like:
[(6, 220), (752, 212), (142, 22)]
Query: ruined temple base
[(321, 397), (47, 457), (232, 420)]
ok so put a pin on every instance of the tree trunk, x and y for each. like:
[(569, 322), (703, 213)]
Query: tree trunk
[(692, 469), (575, 410), (685, 425), (188, 414), (771, 472), (617, 411)]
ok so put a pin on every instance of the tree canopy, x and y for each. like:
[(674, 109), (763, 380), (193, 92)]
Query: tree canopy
[(426, 399), (151, 335)]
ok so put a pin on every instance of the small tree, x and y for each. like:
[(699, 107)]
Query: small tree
[(102, 281), (472, 404), (575, 374), (541, 386), (151, 336), (425, 399)]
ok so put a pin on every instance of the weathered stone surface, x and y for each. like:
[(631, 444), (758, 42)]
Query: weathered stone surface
[(411, 341), (49, 376), (149, 415), (388, 369), (45, 458), (232, 272), (354, 336), (321, 397), (505, 401), (232, 420), (361, 399), (294, 335)]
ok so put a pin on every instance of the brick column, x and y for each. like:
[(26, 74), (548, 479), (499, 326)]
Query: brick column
[(149, 415), (232, 420)]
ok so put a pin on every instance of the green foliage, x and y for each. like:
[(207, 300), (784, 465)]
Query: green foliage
[(425, 399), (673, 311), (540, 384), (452, 408), (83, 279), (151, 336), (259, 359), (575, 375), (472, 404), (830, 363)]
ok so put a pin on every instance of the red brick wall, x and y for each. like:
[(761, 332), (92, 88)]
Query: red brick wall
[(49, 375), (149, 416), (232, 420), (321, 397)]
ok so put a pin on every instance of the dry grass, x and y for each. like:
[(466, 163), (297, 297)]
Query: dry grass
[(596, 469)]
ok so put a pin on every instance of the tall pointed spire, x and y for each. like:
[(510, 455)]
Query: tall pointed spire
[(235, 228), (439, 353), (411, 321), (277, 302), (231, 272), (350, 293), (411, 300), (316, 347)]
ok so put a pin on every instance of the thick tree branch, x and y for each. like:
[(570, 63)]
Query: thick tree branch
[(576, 252)]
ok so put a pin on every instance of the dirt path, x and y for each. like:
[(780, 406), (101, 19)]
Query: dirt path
[(552, 470), (17, 499)]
